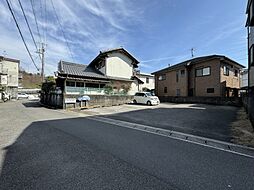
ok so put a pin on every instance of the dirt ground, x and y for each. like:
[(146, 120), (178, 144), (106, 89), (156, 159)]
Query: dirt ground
[(242, 130)]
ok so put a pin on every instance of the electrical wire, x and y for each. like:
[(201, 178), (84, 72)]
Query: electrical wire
[(21, 35), (35, 18), (59, 23), (30, 31)]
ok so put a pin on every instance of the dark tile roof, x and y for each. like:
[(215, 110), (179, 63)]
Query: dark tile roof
[(9, 59), (197, 60), (79, 70)]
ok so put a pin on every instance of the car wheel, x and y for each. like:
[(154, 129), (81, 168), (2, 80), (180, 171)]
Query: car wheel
[(148, 103), (134, 101)]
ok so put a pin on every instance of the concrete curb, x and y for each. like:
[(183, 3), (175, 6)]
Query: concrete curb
[(220, 145)]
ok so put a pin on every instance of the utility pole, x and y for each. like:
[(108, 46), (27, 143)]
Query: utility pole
[(41, 52), (192, 52)]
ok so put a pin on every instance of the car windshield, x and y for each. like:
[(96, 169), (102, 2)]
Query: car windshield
[(148, 94)]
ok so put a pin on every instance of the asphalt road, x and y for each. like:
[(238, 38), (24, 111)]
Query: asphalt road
[(48, 149)]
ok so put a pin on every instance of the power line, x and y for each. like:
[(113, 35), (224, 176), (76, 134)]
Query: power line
[(30, 31), (21, 35), (58, 20), (35, 18)]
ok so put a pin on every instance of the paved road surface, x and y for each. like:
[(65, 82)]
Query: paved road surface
[(48, 149), (198, 119)]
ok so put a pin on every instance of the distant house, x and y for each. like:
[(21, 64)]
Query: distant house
[(147, 83), (112, 72), (9, 74), (244, 79), (213, 75)]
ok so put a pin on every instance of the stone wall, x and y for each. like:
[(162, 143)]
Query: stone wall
[(232, 101)]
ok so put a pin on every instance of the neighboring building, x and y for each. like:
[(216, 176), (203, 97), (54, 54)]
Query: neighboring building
[(214, 75), (112, 70), (244, 79), (9, 74), (250, 29), (147, 83)]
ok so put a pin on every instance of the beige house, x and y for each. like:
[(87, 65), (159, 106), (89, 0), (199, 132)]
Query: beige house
[(111, 72), (9, 73), (211, 76)]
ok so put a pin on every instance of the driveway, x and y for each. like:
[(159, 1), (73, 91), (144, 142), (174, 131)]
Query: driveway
[(203, 120)]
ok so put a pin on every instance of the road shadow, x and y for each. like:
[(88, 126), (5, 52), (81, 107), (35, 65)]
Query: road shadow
[(81, 153), (44, 156), (32, 104)]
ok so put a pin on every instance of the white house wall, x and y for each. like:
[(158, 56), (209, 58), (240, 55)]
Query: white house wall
[(134, 88), (150, 85), (119, 65), (12, 70)]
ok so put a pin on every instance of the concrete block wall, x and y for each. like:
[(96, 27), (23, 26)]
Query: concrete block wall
[(102, 100)]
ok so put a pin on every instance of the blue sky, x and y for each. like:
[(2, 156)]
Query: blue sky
[(157, 33)]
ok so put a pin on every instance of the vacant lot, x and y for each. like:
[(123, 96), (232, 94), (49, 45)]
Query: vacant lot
[(204, 120)]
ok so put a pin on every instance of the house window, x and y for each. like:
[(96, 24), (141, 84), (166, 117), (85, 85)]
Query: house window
[(226, 70), (236, 73), (177, 76), (162, 77), (206, 71), (165, 90), (70, 83), (178, 92), (147, 79), (92, 85), (182, 73), (79, 84), (210, 90)]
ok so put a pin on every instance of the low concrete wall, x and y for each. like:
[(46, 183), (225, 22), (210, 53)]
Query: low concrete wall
[(232, 101), (102, 100), (52, 100)]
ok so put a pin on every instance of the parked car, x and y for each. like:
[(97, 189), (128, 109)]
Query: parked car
[(146, 98), (22, 96)]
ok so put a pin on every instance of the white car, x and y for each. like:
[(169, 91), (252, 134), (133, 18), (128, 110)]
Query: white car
[(145, 98), (22, 96)]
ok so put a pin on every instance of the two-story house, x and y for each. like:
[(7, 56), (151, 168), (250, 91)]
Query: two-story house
[(250, 30), (110, 70), (9, 73), (146, 81), (213, 76)]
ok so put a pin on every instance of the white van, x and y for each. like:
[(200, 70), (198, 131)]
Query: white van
[(145, 98)]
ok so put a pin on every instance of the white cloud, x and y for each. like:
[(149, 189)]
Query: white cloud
[(89, 26)]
